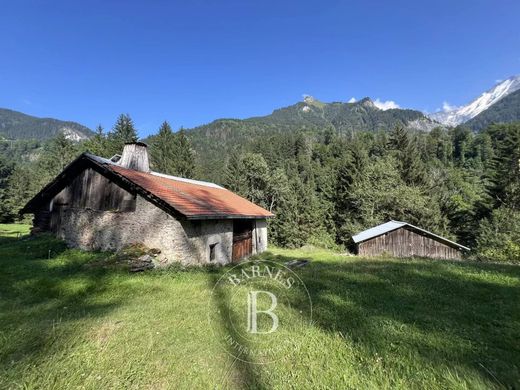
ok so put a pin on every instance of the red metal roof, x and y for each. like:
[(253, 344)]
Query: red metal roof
[(191, 199)]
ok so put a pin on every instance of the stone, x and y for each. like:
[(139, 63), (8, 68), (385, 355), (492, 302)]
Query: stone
[(142, 263), (297, 263)]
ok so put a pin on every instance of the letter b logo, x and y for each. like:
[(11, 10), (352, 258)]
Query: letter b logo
[(252, 311)]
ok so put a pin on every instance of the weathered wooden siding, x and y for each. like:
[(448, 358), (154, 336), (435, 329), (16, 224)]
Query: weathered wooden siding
[(135, 156), (90, 190), (404, 242), (87, 191)]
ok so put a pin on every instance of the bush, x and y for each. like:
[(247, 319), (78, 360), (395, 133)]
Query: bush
[(499, 236), (321, 239)]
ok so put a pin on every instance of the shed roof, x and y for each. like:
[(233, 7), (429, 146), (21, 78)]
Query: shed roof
[(394, 225), (192, 198)]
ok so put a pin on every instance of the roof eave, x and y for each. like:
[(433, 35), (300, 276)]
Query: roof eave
[(29, 206), (226, 216), (104, 166), (372, 237)]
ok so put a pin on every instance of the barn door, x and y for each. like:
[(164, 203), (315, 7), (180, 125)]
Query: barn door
[(242, 239)]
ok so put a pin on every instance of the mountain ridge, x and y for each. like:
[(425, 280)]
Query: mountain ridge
[(18, 125), (213, 140), (462, 114), (506, 110), (341, 115)]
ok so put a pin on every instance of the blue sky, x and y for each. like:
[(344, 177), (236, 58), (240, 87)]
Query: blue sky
[(190, 62)]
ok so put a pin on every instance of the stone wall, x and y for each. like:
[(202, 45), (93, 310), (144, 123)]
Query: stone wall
[(183, 241)]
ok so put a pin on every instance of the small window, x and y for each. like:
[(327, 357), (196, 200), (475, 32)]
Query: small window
[(212, 252)]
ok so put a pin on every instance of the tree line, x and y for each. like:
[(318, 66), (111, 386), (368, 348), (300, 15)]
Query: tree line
[(324, 186), (22, 178)]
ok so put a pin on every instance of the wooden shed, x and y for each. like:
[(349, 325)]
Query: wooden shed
[(401, 239)]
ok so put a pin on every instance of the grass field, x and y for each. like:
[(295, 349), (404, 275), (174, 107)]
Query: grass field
[(379, 323)]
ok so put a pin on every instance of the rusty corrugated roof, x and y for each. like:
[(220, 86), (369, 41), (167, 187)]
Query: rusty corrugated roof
[(194, 199)]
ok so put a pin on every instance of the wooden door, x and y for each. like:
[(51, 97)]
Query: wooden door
[(242, 239)]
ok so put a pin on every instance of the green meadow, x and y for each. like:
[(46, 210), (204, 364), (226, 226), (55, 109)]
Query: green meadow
[(66, 321)]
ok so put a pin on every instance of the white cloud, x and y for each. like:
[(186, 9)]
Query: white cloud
[(352, 100), (447, 107), (307, 98), (385, 105), (498, 81)]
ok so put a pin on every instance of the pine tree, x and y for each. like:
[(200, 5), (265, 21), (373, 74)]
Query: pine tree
[(163, 150), (185, 160), (124, 129), (407, 154), (438, 146), (25, 181), (277, 190), (462, 139), (284, 229), (505, 173), (98, 143), (349, 171), (256, 178), (122, 132), (233, 173), (171, 152), (6, 213), (57, 154)]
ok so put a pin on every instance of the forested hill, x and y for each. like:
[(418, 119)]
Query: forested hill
[(506, 110), (311, 116), (324, 186), (17, 125)]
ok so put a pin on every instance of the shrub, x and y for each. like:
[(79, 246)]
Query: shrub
[(499, 236)]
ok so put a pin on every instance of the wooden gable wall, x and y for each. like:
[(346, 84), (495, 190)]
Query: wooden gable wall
[(404, 242), (91, 190)]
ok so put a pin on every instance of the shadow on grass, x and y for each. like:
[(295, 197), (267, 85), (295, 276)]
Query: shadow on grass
[(247, 375), (454, 314), (39, 292)]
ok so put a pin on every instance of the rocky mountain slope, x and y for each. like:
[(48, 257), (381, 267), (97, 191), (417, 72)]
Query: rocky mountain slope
[(458, 115), (505, 110)]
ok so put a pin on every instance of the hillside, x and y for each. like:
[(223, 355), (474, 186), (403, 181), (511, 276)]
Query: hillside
[(17, 125), (504, 111), (310, 116)]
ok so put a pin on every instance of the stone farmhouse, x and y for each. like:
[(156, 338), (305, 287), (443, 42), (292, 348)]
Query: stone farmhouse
[(106, 204)]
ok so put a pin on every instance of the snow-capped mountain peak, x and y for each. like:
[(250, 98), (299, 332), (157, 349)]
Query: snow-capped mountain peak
[(453, 116)]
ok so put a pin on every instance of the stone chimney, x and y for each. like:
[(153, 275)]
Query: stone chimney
[(135, 156)]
